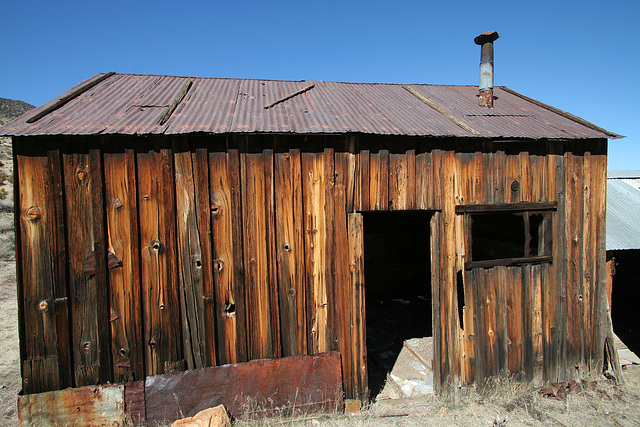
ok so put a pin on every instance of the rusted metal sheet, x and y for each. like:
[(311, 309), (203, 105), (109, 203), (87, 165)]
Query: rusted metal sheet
[(85, 406), (133, 104), (134, 404), (285, 386)]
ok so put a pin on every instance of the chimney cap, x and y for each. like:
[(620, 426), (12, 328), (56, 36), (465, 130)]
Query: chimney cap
[(487, 37)]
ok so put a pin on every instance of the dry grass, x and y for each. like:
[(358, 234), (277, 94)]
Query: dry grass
[(501, 403)]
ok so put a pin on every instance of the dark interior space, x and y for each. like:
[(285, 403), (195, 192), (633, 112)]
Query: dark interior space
[(398, 286), (625, 297)]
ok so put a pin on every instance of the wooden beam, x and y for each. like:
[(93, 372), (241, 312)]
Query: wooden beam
[(177, 100), (506, 207), (508, 262), (296, 93), (65, 99)]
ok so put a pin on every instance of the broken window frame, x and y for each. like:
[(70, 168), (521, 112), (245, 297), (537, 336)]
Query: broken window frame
[(526, 209)]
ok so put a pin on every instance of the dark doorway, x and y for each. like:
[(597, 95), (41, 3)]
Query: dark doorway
[(397, 286), (625, 296)]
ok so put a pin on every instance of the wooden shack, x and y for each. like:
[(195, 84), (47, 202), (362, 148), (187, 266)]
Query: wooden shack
[(171, 223)]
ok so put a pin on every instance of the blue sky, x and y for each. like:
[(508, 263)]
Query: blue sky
[(582, 57)]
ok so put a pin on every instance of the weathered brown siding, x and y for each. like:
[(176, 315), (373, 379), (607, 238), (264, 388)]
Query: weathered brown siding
[(236, 248)]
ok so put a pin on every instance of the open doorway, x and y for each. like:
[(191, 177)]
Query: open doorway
[(398, 302)]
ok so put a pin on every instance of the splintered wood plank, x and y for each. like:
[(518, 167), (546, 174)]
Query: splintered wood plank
[(424, 182), (190, 260), (256, 261), (200, 162), (163, 352), (88, 290), (315, 228), (38, 233), (228, 258), (359, 388), (290, 251), (402, 180), (127, 350), (379, 180)]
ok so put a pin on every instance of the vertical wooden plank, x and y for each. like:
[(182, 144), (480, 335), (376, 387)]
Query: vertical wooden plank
[(255, 243), (272, 272), (38, 249), (127, 351), (424, 182), (436, 231), (374, 181), (551, 279), (449, 322), (57, 236), (364, 179), (481, 335), (588, 261), (161, 314), (559, 295), (290, 252), (501, 275), (601, 307), (342, 279), (537, 284), (397, 181), (315, 250), (513, 194), (226, 226), (360, 389), (573, 230), (86, 245), (190, 260), (525, 322), (203, 208), (330, 248)]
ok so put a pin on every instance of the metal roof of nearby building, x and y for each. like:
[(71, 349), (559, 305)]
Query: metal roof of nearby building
[(623, 210), (133, 104)]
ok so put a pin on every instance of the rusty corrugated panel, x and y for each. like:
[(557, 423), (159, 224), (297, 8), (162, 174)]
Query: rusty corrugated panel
[(83, 406), (132, 104), (286, 386)]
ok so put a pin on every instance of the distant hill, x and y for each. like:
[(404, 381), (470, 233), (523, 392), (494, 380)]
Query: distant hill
[(11, 108)]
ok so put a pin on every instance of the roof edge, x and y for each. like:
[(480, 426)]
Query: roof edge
[(563, 113)]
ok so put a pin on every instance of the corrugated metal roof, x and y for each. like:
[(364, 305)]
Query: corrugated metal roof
[(132, 104), (623, 210)]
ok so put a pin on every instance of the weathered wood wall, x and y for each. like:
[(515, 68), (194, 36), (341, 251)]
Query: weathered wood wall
[(145, 255)]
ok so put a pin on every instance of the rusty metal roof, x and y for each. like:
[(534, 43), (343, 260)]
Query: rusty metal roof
[(133, 104)]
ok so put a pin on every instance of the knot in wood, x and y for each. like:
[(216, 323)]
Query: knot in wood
[(34, 214), (515, 186), (155, 245), (117, 203), (43, 305), (81, 173), (215, 209)]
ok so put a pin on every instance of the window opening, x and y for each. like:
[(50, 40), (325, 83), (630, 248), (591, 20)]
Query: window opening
[(508, 234)]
